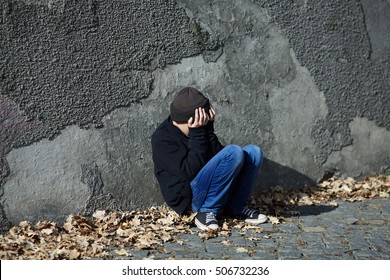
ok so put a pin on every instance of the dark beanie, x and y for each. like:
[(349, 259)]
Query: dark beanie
[(186, 101)]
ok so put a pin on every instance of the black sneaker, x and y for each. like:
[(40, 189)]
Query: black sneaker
[(252, 216), (206, 221)]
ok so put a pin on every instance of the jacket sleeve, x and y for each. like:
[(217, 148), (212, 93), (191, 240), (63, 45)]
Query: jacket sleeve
[(177, 161), (216, 146)]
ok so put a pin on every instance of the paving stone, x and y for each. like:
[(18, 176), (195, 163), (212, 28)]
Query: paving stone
[(267, 226), (383, 232), (366, 255), (340, 256), (289, 228), (263, 254), (289, 253), (169, 247), (310, 255), (336, 246), (338, 251), (267, 243), (377, 222), (239, 253), (313, 229), (357, 241), (331, 231), (381, 246), (240, 241), (195, 245), (350, 221), (312, 238), (214, 247), (370, 213), (355, 229), (212, 256), (237, 257), (250, 243), (309, 221), (184, 255), (139, 255), (281, 235)]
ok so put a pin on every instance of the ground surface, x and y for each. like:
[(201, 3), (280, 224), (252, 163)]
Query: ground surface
[(337, 219)]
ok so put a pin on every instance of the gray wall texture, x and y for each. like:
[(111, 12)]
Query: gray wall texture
[(83, 84)]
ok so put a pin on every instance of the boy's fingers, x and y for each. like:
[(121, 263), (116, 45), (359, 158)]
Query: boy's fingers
[(211, 112), (206, 117), (201, 116), (190, 121), (193, 121), (196, 116)]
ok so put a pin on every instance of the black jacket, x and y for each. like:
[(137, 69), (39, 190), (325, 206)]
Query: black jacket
[(178, 158)]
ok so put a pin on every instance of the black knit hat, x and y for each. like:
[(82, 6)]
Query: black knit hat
[(186, 101)]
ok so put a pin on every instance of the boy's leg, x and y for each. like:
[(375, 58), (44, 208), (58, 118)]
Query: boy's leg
[(243, 185), (211, 188)]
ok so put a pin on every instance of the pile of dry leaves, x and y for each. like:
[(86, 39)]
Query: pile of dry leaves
[(82, 238), (278, 201)]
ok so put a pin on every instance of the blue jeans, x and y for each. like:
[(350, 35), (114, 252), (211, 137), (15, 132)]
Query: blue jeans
[(226, 181)]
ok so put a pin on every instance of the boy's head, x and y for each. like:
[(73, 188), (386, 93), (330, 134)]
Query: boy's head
[(186, 101)]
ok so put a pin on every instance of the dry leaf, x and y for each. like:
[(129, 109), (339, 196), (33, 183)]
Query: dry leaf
[(252, 238), (165, 236), (121, 252), (99, 215), (204, 235), (227, 242), (273, 220), (256, 230), (241, 250), (225, 233), (188, 219)]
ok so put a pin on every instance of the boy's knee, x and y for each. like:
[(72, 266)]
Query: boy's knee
[(235, 152), (255, 153)]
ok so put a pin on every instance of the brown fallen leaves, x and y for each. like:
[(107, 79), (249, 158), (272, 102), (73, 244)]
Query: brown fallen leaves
[(83, 238), (277, 201)]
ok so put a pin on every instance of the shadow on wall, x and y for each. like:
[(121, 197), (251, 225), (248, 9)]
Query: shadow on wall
[(274, 174)]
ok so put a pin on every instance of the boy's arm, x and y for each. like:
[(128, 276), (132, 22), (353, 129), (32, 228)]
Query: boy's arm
[(174, 160), (216, 146)]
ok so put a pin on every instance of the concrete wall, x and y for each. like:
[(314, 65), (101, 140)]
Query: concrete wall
[(83, 84)]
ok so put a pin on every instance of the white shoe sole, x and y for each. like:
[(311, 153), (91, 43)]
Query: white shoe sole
[(204, 227), (260, 220)]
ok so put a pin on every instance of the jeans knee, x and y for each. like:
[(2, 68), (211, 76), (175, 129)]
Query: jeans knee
[(235, 153), (255, 153)]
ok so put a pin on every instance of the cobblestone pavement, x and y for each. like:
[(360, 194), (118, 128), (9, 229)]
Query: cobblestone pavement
[(351, 231)]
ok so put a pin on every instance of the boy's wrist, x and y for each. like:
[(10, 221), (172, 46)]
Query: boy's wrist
[(200, 130)]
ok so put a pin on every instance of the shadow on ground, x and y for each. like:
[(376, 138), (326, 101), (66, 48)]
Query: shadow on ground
[(309, 210), (281, 190)]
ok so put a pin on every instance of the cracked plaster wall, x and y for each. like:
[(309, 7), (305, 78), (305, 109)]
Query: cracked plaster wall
[(83, 84)]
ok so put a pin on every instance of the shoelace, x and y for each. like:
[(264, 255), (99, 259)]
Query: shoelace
[(249, 212), (210, 217)]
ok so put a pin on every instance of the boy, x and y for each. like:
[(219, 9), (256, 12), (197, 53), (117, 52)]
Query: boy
[(195, 172)]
